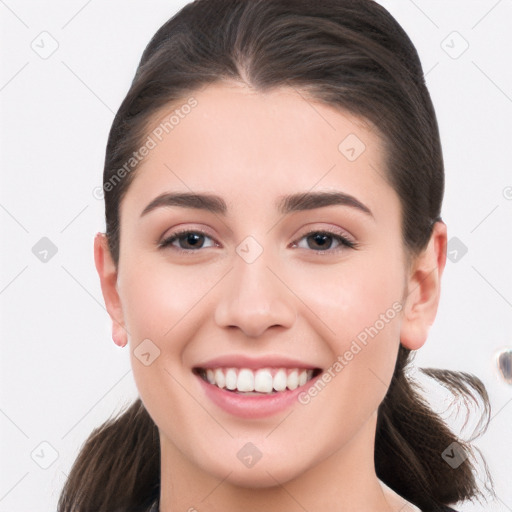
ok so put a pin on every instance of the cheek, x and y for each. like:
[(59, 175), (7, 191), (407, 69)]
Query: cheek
[(353, 297), (160, 308), (163, 308), (358, 311), (364, 348), (158, 298)]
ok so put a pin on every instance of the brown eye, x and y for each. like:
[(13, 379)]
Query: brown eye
[(191, 241), (188, 240), (323, 241), (320, 241)]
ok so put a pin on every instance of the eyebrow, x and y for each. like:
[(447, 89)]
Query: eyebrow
[(287, 204), (210, 202), (312, 200)]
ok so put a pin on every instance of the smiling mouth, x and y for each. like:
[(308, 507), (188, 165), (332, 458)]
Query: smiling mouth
[(263, 381)]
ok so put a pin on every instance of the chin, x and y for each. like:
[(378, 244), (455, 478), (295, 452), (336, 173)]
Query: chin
[(262, 476)]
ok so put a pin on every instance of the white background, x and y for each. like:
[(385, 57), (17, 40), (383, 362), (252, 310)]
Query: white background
[(61, 373)]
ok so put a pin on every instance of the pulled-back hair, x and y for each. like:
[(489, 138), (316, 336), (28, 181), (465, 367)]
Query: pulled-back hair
[(349, 54)]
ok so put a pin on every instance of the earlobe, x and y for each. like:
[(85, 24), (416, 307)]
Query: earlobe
[(107, 273), (423, 290)]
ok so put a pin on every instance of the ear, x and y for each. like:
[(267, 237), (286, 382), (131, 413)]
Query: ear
[(423, 289), (107, 272)]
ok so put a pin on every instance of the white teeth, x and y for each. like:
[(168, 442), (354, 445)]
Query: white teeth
[(245, 380), (280, 380), (293, 380), (231, 379), (264, 380), (220, 378)]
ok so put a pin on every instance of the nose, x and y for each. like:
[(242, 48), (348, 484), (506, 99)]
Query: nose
[(254, 299)]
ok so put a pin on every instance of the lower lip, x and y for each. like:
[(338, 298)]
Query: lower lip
[(253, 406)]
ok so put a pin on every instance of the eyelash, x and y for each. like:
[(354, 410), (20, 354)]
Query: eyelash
[(344, 243), (175, 236)]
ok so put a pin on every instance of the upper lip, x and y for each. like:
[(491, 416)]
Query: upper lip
[(254, 363)]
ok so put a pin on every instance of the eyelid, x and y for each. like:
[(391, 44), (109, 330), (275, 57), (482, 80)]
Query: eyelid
[(165, 241), (345, 239), (328, 230), (343, 243)]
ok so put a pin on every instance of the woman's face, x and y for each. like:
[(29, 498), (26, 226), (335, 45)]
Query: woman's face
[(284, 258)]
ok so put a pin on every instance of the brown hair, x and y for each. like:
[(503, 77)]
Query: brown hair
[(350, 54)]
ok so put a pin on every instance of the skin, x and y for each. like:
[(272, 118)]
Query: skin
[(251, 148)]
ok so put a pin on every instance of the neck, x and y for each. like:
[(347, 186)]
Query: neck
[(341, 481)]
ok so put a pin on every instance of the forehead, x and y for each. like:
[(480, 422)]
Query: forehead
[(251, 145)]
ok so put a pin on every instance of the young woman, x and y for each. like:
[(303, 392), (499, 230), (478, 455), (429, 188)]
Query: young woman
[(273, 253)]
